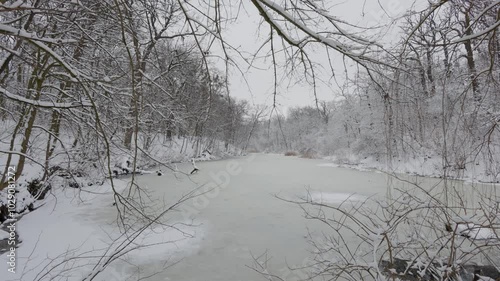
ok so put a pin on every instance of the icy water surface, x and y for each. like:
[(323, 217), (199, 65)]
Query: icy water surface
[(217, 235), (240, 217), (244, 218)]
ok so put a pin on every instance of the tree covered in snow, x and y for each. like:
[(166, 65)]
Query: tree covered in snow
[(82, 78), (436, 96)]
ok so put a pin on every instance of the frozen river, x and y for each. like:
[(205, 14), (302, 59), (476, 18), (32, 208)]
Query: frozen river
[(217, 234), (244, 218)]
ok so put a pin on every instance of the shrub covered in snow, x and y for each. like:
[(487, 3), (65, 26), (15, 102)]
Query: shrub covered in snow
[(23, 201)]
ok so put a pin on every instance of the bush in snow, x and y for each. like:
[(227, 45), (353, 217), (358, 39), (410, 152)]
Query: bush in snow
[(38, 189), (24, 201), (309, 153)]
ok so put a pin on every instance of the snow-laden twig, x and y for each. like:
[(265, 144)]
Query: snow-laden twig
[(45, 104)]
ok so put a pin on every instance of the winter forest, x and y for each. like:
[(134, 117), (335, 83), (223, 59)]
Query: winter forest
[(119, 116)]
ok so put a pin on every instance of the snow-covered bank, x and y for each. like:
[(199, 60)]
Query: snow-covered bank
[(425, 166), (65, 238), (75, 222), (78, 169)]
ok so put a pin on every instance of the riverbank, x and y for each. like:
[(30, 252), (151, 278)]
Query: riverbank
[(73, 227), (173, 157), (424, 166)]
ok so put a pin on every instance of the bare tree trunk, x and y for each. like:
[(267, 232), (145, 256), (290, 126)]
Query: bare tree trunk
[(254, 125), (32, 111), (35, 84), (430, 75), (18, 127), (55, 123), (470, 58), (446, 60)]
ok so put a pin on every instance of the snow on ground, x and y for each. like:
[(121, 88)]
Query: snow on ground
[(4, 234), (82, 221), (476, 232), (205, 156), (80, 225), (422, 166), (23, 197), (474, 227), (182, 149)]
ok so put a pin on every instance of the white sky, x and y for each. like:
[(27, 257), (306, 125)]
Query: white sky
[(245, 34)]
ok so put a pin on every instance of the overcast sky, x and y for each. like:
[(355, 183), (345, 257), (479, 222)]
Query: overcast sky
[(245, 34)]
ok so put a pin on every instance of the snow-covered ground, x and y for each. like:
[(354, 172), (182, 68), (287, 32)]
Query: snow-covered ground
[(80, 225), (4, 234), (76, 226), (78, 171), (421, 166)]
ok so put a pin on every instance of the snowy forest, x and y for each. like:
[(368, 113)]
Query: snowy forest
[(95, 95), (434, 96)]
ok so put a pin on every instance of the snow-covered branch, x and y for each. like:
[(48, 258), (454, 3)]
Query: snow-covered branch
[(9, 30), (355, 52), (477, 34), (45, 104)]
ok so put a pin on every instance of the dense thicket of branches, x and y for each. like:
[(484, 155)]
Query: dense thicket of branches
[(442, 99), (123, 73), (95, 75)]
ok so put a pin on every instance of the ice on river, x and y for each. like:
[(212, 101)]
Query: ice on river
[(239, 215), (335, 198)]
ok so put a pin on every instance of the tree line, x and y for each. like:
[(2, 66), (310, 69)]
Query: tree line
[(435, 95), (89, 76)]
